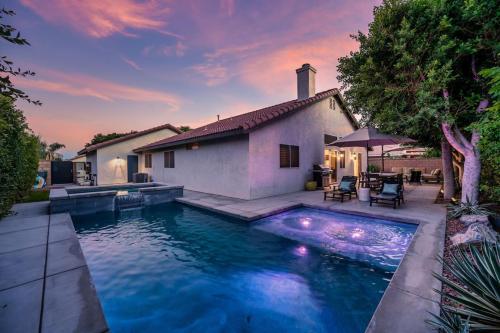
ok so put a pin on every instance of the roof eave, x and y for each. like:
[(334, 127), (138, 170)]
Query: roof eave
[(226, 134)]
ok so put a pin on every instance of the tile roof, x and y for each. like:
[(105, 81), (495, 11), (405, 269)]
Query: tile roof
[(243, 123), (91, 148)]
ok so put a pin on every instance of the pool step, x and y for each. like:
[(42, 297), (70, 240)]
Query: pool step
[(129, 201)]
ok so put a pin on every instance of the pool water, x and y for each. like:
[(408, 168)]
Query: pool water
[(173, 268)]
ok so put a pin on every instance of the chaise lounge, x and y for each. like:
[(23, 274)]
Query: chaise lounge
[(346, 188), (391, 192)]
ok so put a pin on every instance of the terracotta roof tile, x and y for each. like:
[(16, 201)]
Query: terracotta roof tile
[(240, 123), (91, 148)]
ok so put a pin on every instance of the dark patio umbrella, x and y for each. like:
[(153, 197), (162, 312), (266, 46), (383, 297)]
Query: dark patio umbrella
[(370, 137)]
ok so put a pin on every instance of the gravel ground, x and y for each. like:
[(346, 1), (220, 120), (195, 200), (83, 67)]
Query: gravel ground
[(452, 227)]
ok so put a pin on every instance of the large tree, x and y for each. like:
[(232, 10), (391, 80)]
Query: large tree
[(100, 138), (416, 74), (7, 68)]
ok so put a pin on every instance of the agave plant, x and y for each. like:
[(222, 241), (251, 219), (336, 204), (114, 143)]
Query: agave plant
[(468, 208), (476, 296)]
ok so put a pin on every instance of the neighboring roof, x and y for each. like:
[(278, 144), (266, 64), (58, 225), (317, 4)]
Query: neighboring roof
[(244, 123), (92, 148), (78, 157)]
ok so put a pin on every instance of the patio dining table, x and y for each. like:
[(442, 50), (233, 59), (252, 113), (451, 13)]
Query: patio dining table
[(384, 174)]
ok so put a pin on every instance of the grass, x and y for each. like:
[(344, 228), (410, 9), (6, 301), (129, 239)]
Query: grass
[(35, 196)]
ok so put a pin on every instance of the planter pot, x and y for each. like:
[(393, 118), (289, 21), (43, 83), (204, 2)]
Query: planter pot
[(364, 194), (311, 186)]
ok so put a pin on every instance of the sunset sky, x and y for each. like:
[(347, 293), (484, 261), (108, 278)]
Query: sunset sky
[(104, 67)]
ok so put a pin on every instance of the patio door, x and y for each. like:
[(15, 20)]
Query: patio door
[(132, 167)]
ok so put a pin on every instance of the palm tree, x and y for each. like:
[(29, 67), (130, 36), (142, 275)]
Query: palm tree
[(48, 152)]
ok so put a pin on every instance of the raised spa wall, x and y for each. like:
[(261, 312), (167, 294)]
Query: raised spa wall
[(98, 199)]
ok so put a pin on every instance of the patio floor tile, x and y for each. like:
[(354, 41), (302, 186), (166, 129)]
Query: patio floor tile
[(22, 266), (71, 304), (20, 308)]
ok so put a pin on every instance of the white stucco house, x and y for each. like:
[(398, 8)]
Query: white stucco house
[(261, 153), (114, 161)]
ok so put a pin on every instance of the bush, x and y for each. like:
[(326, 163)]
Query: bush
[(18, 155), (475, 285), (373, 168)]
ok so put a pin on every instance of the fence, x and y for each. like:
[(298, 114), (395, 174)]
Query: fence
[(422, 163)]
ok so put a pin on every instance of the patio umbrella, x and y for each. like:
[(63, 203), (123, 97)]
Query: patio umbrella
[(369, 137)]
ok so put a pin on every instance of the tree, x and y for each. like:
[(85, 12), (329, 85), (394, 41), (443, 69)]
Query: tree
[(11, 35), (416, 74), (18, 155), (49, 152), (184, 128), (100, 138)]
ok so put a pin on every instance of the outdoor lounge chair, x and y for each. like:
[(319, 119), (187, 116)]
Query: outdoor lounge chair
[(391, 192), (434, 176), (346, 188)]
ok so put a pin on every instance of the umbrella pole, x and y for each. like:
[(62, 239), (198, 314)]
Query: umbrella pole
[(383, 158), (367, 158)]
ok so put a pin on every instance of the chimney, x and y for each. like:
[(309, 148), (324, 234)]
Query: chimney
[(306, 82)]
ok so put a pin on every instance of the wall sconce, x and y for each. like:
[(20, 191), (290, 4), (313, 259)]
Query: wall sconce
[(341, 154)]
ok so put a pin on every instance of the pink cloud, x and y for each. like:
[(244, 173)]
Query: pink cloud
[(214, 74), (227, 7), (84, 85), (131, 63), (274, 72), (103, 18)]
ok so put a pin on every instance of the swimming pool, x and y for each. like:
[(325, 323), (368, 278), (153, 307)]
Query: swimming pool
[(173, 268)]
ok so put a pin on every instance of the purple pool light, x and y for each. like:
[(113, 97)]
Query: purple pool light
[(376, 241)]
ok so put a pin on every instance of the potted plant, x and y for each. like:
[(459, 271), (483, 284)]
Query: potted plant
[(311, 185)]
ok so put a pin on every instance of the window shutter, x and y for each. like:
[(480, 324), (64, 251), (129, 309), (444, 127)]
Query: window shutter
[(172, 159), (284, 156), (294, 156)]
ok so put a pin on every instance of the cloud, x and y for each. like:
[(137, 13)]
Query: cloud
[(87, 86), (213, 74), (274, 71), (227, 7), (103, 18), (131, 63)]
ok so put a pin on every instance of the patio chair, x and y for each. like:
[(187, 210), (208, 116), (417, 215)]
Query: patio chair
[(346, 188), (390, 192), (415, 177)]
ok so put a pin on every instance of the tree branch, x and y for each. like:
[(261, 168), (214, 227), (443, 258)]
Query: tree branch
[(448, 133), (482, 105), (463, 139)]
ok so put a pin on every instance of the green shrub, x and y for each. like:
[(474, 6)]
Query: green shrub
[(467, 208), (373, 168), (18, 155)]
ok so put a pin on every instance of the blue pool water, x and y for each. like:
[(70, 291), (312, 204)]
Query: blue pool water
[(172, 268)]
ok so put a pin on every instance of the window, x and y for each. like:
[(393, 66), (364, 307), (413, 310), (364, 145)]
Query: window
[(342, 159), (289, 156), (169, 159), (193, 146), (148, 161)]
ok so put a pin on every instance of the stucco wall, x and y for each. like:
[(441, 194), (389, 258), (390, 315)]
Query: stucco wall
[(111, 170), (92, 158), (216, 167), (305, 129)]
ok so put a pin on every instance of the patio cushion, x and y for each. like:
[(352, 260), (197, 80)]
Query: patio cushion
[(390, 189), (397, 170), (385, 196), (345, 186), (407, 171)]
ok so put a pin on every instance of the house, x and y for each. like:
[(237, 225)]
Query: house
[(261, 153), (114, 162)]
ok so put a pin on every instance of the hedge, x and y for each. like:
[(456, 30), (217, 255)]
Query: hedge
[(18, 155)]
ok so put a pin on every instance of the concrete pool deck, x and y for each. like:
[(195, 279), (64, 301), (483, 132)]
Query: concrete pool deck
[(409, 298), (45, 284)]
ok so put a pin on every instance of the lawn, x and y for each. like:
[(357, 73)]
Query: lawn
[(35, 196)]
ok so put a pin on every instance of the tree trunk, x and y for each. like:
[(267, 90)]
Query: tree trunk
[(448, 177), (470, 179), (472, 163)]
